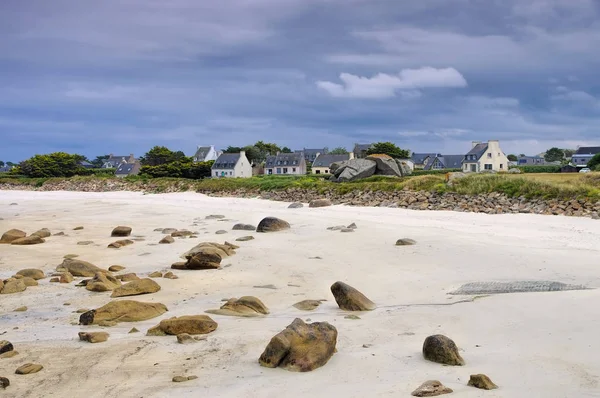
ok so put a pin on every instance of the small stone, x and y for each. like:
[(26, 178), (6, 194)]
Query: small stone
[(85, 243), (405, 242), (295, 205), (181, 234), (308, 305), (245, 238), (215, 217), (66, 277), (133, 330), (441, 349), (170, 275), (93, 337), (116, 268), (266, 287), (5, 346), (185, 338), (4, 382), (346, 230), (54, 280), (9, 354), (77, 228), (166, 240), (243, 227), (121, 231), (221, 232), (156, 274), (350, 299), (180, 379), (481, 381), (120, 243), (352, 317), (59, 234), (320, 203), (272, 224), (20, 309), (431, 388), (28, 368)]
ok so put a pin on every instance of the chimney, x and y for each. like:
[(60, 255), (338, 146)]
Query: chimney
[(475, 143), (351, 156), (242, 153)]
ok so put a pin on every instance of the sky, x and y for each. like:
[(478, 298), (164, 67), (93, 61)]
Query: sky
[(121, 76)]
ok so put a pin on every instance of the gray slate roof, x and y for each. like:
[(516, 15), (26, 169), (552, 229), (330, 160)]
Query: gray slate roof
[(311, 151), (226, 161), (285, 159), (448, 161), (588, 150), (478, 150), (202, 152), (419, 158), (125, 168), (327, 160)]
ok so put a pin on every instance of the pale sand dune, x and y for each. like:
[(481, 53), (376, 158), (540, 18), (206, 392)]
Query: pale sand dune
[(530, 344)]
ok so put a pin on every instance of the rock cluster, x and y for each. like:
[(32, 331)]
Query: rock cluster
[(247, 306), (357, 169)]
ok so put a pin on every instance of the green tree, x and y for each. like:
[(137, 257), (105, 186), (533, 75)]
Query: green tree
[(253, 154), (163, 155), (512, 158), (1, 163), (569, 152), (594, 162), (267, 148), (233, 149), (99, 161), (286, 150), (339, 151), (57, 164), (389, 149), (554, 155)]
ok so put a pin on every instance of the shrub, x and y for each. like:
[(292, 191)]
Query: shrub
[(57, 164), (594, 162), (434, 172), (540, 169), (193, 171)]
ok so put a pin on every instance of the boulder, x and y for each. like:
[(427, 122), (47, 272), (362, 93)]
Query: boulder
[(296, 205), (308, 305), (190, 324), (13, 286), (221, 232), (79, 268), (43, 233), (243, 227), (272, 224), (404, 167), (121, 231), (4, 382), (350, 299), (28, 240), (301, 347), (66, 277), (128, 277), (441, 349), (93, 337), (102, 283), (12, 235), (405, 242), (245, 238), (356, 169), (28, 368), (166, 240), (168, 231), (155, 274), (134, 288), (224, 250), (116, 268), (33, 273), (29, 281), (320, 203), (181, 234), (386, 165), (5, 346), (481, 381), (246, 306), (123, 311), (431, 388), (170, 275), (203, 260), (120, 243)]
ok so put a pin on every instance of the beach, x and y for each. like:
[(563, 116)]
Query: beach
[(534, 344)]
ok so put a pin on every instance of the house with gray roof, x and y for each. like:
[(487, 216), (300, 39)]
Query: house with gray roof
[(128, 169), (323, 162), (534, 161), (311, 154), (286, 164), (441, 162), (360, 150), (485, 157), (420, 160), (114, 161), (205, 154), (232, 165), (583, 155)]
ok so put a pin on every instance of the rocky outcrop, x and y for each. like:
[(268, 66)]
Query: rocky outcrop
[(350, 299), (12, 235), (354, 169), (441, 349), (190, 324), (137, 287), (79, 268), (121, 231), (386, 165), (431, 388), (272, 224), (123, 311), (246, 306), (301, 347)]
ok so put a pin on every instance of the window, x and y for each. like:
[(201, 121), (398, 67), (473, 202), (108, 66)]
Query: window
[(270, 171), (316, 172), (501, 166), (293, 170), (489, 155), (285, 170), (230, 173), (488, 166), (326, 171), (216, 173), (279, 170)]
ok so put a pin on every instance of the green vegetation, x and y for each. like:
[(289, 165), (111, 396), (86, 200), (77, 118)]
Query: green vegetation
[(177, 169), (554, 155), (512, 158), (594, 163), (338, 151), (57, 164), (160, 155), (539, 169), (389, 149)]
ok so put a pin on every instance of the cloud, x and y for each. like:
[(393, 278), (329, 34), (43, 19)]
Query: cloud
[(385, 86)]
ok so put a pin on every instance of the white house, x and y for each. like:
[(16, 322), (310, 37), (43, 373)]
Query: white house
[(286, 164), (232, 165), (485, 157), (206, 153)]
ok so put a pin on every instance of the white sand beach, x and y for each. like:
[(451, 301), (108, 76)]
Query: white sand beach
[(530, 344)]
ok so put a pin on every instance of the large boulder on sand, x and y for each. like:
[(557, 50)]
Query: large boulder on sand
[(13, 285), (272, 224), (441, 349), (350, 299), (320, 203), (386, 165), (42, 233), (300, 347), (79, 267), (28, 240), (32, 273), (224, 250), (137, 287), (355, 169), (247, 306), (12, 235), (121, 231), (190, 324), (201, 260), (123, 311), (102, 283)]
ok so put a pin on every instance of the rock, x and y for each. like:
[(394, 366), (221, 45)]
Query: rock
[(300, 347), (221, 232), (123, 311), (190, 324), (102, 283), (181, 234), (93, 337), (336, 228), (272, 224), (85, 242), (54, 280), (215, 217), (166, 240), (28, 368), (350, 299), (66, 277), (405, 242), (243, 227), (266, 287), (20, 309), (12, 235), (59, 234), (320, 203), (133, 330), (224, 250), (308, 305), (108, 324), (128, 277), (245, 238), (184, 338), (404, 167), (29, 281), (246, 306), (33, 273), (9, 354), (385, 165), (121, 231), (155, 274), (70, 256), (4, 382), (5, 346), (29, 240), (481, 381), (77, 228), (352, 226), (295, 205), (169, 231), (355, 169), (353, 317), (81, 310), (116, 268), (134, 288), (13, 286), (79, 268), (441, 349), (120, 243), (347, 230), (181, 379), (43, 233), (170, 275), (203, 260), (431, 388)]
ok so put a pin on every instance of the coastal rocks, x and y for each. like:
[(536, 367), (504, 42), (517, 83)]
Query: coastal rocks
[(320, 203), (350, 299), (120, 243), (431, 388), (272, 224), (12, 286), (102, 283), (441, 349), (405, 242), (296, 205), (166, 240), (200, 261), (93, 337), (123, 311), (246, 306), (28, 240), (386, 165), (4, 382), (308, 305), (224, 250), (190, 324), (116, 268), (65, 277), (245, 238), (33, 273), (5, 346), (42, 233), (12, 235), (132, 276), (481, 381), (354, 169), (79, 268), (301, 347), (243, 227), (28, 368), (137, 287), (121, 231)]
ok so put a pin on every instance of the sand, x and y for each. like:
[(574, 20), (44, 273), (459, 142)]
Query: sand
[(529, 344)]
